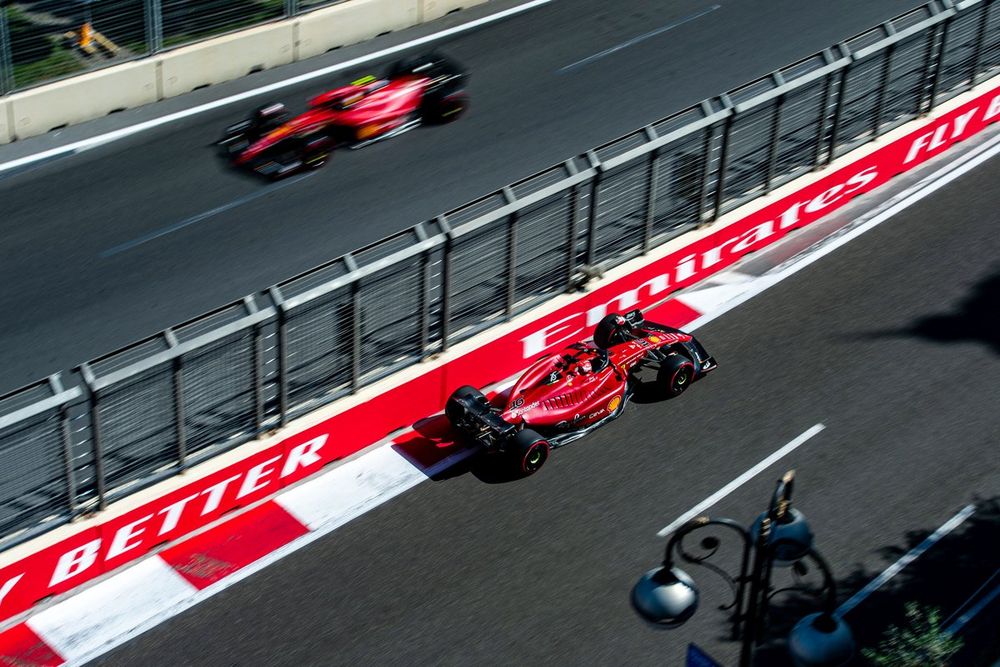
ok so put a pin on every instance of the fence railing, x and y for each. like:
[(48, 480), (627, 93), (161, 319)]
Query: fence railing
[(43, 41), (148, 411)]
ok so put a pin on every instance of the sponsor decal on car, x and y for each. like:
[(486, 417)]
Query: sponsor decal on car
[(614, 403)]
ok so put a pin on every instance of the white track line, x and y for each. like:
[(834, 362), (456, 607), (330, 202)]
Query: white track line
[(740, 481), (914, 553), (115, 135), (640, 38)]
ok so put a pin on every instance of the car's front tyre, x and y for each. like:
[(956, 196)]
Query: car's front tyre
[(675, 375)]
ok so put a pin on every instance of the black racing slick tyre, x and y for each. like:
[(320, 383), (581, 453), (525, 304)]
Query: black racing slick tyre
[(608, 332), (527, 452), (675, 375), (454, 408), (445, 109)]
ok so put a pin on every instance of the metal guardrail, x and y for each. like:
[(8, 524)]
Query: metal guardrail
[(150, 410)]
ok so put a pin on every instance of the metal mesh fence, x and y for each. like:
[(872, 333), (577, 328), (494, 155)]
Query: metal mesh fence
[(152, 408), (959, 52), (218, 395), (621, 212), (318, 343), (138, 428), (859, 102), (186, 21), (479, 278), (32, 473), (803, 115), (907, 80), (42, 41), (680, 170), (544, 250)]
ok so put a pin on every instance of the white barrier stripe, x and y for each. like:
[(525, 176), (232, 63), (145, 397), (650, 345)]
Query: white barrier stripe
[(335, 497), (740, 481), (92, 142), (914, 553), (116, 607), (972, 597)]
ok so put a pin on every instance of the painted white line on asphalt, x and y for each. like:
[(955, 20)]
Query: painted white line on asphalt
[(92, 142), (914, 553), (907, 198), (963, 620), (204, 215), (740, 481), (641, 38), (88, 623)]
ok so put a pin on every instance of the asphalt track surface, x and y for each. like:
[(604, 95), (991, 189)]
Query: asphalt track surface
[(76, 284), (891, 342)]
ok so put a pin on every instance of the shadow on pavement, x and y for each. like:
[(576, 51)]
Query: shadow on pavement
[(977, 319), (433, 440)]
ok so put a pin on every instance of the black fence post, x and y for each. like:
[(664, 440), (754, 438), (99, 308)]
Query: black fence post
[(883, 87), (838, 110), (355, 323), (154, 25), (257, 351), (977, 54), (572, 215), (595, 186), (772, 151), (424, 296), (446, 270), (824, 103), (706, 165), (720, 181), (66, 439), (93, 402), (938, 64), (279, 305), (511, 295), (653, 177), (179, 426)]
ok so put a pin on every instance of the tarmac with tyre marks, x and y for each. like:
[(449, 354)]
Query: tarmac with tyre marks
[(80, 281), (890, 342)]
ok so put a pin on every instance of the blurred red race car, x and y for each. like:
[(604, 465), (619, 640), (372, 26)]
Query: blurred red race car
[(425, 89), (564, 396)]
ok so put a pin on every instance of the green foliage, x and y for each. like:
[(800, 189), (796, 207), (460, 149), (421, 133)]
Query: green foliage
[(60, 62), (921, 643)]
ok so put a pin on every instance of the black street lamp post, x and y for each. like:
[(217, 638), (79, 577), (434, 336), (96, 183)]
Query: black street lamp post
[(780, 537)]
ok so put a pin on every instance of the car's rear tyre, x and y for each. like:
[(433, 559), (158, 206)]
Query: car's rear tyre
[(454, 408), (675, 375), (527, 452), (445, 109)]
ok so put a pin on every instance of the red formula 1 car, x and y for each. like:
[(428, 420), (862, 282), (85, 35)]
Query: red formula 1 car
[(426, 89), (564, 396)]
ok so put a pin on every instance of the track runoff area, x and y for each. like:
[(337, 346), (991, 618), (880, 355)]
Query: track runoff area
[(858, 491)]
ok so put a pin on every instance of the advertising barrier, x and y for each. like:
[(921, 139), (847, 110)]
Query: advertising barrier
[(113, 542)]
